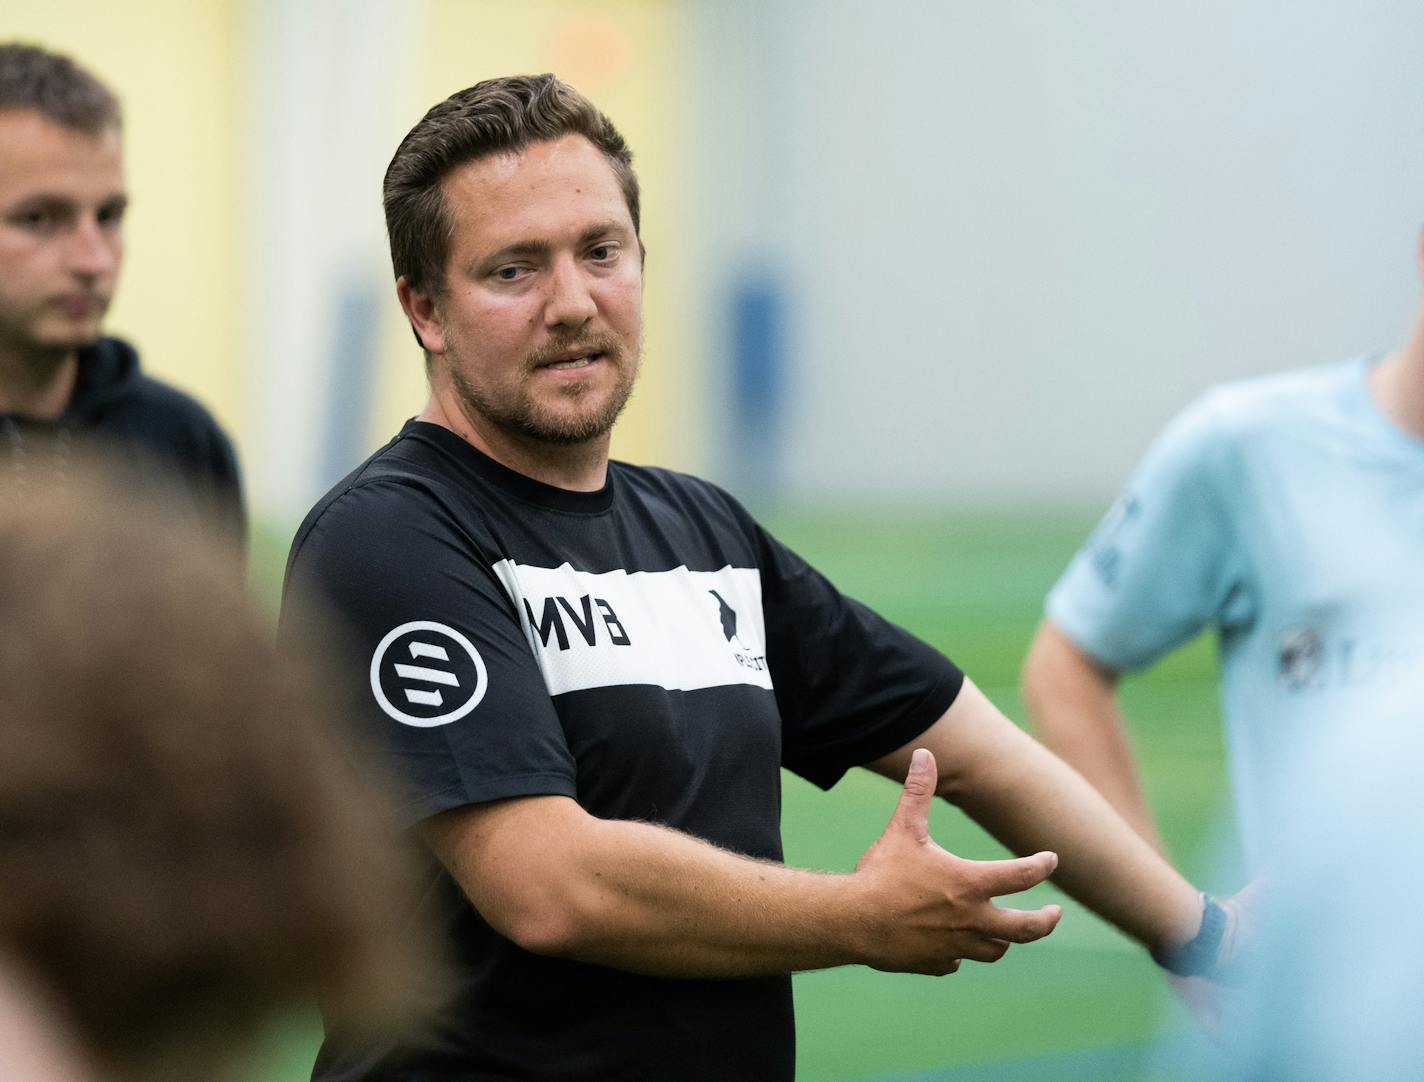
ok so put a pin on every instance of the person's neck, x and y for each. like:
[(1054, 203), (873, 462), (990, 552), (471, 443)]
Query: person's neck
[(37, 383), (1397, 383), (580, 467)]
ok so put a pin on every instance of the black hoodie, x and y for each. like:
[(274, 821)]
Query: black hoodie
[(147, 426)]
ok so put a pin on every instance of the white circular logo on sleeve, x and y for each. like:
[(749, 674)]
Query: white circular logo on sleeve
[(427, 674)]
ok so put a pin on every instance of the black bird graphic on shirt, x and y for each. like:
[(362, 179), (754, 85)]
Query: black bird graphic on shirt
[(729, 619)]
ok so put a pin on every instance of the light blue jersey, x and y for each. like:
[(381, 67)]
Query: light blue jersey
[(1334, 982), (1288, 513)]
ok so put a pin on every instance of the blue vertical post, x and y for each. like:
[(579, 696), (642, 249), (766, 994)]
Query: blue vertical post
[(759, 378), (350, 386)]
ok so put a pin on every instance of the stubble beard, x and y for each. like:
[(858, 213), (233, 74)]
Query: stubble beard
[(23, 333), (28, 356), (522, 415)]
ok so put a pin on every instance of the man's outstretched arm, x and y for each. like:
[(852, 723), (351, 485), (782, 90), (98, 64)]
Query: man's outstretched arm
[(1029, 799), (646, 898), (1072, 705)]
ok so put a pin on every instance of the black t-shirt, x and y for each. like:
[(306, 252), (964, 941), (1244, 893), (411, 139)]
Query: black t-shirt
[(647, 650)]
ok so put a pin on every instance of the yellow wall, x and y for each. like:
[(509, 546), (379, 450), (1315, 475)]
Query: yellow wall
[(182, 70), (176, 66), (624, 55)]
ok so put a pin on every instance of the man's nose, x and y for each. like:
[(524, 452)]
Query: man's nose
[(93, 249), (570, 302)]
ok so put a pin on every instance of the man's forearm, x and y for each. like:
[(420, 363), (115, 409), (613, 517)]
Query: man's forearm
[(1037, 800), (640, 896), (1029, 799), (646, 898)]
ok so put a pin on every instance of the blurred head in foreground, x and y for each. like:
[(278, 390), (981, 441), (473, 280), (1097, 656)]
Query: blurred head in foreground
[(182, 857)]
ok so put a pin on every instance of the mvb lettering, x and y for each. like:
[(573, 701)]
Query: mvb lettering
[(591, 614)]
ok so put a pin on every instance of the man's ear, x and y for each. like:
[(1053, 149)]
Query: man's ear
[(419, 308)]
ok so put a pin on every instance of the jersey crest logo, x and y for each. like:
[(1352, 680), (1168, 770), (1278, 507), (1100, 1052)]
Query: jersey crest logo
[(746, 658), (427, 674), (729, 618), (1103, 550), (1299, 659)]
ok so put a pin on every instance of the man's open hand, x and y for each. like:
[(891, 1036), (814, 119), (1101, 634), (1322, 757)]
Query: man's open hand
[(928, 909)]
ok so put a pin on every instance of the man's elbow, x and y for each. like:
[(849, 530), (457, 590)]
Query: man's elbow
[(562, 921), (529, 867), (1036, 677), (544, 930), (1057, 671)]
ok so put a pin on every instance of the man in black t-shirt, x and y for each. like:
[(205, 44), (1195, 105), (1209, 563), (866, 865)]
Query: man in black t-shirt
[(63, 388), (590, 673)]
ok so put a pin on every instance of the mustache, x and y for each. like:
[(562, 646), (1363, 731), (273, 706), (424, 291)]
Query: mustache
[(590, 343)]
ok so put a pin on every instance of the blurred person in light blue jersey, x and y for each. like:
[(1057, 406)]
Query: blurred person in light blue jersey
[(1323, 1001), (1285, 512)]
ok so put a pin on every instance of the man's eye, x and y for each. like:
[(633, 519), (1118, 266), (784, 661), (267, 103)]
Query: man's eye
[(602, 252), (110, 216), (37, 221), (507, 274)]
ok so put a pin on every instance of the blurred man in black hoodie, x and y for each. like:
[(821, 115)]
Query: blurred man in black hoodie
[(62, 201)]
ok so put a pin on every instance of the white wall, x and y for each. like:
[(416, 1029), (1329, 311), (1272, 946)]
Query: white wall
[(329, 96), (1019, 234)]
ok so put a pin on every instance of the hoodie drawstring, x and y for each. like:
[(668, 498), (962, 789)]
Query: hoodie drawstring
[(20, 453)]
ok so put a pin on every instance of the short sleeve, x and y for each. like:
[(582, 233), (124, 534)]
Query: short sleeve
[(1164, 562), (432, 649), (850, 685)]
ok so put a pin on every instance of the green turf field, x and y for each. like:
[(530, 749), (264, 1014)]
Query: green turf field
[(1083, 1004)]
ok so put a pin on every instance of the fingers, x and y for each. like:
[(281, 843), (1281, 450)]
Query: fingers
[(984, 950), (1021, 925), (1202, 998), (912, 813), (1024, 927), (1236, 937), (997, 877)]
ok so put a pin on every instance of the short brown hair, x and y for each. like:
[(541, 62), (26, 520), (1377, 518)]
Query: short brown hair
[(496, 116), (185, 849), (56, 87)]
